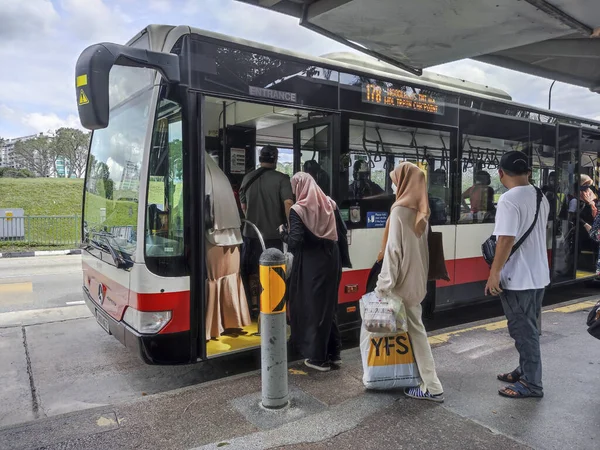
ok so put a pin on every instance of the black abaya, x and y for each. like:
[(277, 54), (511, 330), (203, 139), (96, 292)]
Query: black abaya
[(313, 292)]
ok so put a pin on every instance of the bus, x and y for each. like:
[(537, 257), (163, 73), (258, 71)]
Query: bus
[(174, 96)]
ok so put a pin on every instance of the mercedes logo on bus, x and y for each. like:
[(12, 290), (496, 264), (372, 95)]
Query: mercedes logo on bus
[(101, 290)]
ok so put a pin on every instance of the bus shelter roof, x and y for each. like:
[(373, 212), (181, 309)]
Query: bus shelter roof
[(555, 39)]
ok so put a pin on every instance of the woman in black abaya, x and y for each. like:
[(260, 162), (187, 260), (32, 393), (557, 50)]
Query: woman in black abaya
[(317, 239)]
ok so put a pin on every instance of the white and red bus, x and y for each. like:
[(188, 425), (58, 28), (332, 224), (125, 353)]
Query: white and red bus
[(174, 96)]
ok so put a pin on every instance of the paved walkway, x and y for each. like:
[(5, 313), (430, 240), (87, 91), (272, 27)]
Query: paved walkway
[(333, 410)]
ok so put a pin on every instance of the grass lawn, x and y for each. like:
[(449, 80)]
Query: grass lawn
[(63, 197), (43, 197)]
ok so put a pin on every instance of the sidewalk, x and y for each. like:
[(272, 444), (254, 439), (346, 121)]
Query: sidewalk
[(333, 410)]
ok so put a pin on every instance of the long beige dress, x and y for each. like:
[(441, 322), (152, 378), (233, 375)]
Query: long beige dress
[(226, 305)]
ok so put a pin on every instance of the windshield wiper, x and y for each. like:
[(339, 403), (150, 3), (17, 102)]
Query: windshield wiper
[(120, 258)]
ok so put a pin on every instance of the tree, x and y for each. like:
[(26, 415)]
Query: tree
[(106, 187), (72, 145), (35, 154)]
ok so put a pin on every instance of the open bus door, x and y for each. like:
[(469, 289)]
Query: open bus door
[(316, 150), (587, 256), (566, 232)]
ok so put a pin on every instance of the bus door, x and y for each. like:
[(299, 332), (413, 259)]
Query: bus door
[(587, 257), (314, 143), (566, 232)]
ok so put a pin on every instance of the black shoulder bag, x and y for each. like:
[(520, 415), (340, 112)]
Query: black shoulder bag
[(593, 321), (488, 248)]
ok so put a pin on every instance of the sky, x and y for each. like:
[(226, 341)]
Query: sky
[(40, 41)]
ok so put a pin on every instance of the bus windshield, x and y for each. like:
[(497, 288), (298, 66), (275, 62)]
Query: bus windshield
[(114, 165)]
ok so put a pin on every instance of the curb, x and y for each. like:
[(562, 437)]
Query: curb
[(40, 253)]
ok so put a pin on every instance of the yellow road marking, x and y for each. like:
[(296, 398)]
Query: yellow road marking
[(501, 324), (16, 287), (574, 307), (443, 338)]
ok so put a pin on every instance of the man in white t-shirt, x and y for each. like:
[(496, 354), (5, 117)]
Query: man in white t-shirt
[(520, 281)]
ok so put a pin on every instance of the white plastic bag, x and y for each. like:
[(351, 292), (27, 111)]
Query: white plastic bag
[(289, 261), (388, 361), (382, 316)]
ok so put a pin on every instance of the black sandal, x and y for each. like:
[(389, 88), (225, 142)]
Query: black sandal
[(519, 390), (511, 377)]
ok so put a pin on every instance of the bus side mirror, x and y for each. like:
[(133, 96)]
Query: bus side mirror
[(92, 76)]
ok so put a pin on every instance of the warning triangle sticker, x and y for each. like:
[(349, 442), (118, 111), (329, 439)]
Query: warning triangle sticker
[(83, 100)]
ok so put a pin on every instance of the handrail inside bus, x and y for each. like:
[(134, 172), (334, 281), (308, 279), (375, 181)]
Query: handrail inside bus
[(260, 237)]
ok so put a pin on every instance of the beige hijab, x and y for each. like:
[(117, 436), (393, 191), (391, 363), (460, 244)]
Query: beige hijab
[(223, 208), (411, 192)]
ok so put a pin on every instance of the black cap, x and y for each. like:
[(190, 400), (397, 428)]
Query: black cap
[(268, 154), (515, 162)]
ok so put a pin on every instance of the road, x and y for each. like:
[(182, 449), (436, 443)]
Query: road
[(37, 283), (56, 359)]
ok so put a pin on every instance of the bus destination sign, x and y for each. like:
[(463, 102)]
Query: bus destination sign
[(405, 98)]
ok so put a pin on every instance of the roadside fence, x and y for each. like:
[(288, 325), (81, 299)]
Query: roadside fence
[(41, 230)]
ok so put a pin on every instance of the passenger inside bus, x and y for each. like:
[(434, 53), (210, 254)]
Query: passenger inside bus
[(439, 197), (362, 186), (548, 190), (586, 204), (266, 199), (226, 305), (314, 169), (481, 197)]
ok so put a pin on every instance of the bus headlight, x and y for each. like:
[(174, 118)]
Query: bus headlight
[(147, 322)]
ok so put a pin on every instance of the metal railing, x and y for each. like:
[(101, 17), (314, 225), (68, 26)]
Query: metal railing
[(41, 230)]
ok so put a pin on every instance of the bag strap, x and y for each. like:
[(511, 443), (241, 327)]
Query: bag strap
[(259, 172), (528, 232)]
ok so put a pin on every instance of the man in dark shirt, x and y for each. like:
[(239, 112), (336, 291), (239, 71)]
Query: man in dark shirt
[(266, 199), (362, 186)]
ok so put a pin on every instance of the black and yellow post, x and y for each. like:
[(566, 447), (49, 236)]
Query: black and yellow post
[(273, 340)]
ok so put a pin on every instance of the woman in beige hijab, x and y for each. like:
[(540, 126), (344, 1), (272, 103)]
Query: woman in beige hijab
[(405, 268), (226, 305)]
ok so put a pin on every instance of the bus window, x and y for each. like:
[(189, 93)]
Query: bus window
[(482, 148), (113, 171), (315, 158), (285, 162), (164, 213), (376, 148), (367, 178)]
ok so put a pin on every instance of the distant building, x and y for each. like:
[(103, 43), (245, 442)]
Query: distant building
[(9, 159), (61, 168), (7, 152), (130, 177)]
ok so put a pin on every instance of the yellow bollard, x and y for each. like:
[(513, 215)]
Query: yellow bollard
[(273, 342)]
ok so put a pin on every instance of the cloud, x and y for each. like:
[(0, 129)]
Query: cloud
[(37, 122), (24, 19), (40, 41), (162, 6), (526, 89), (97, 20), (261, 25)]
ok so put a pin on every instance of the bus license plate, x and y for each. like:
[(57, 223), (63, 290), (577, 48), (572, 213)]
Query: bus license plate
[(102, 321)]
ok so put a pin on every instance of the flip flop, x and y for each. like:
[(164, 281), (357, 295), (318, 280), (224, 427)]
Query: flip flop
[(519, 390)]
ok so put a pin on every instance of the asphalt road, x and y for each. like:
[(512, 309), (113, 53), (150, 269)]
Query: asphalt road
[(41, 282), (56, 359)]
